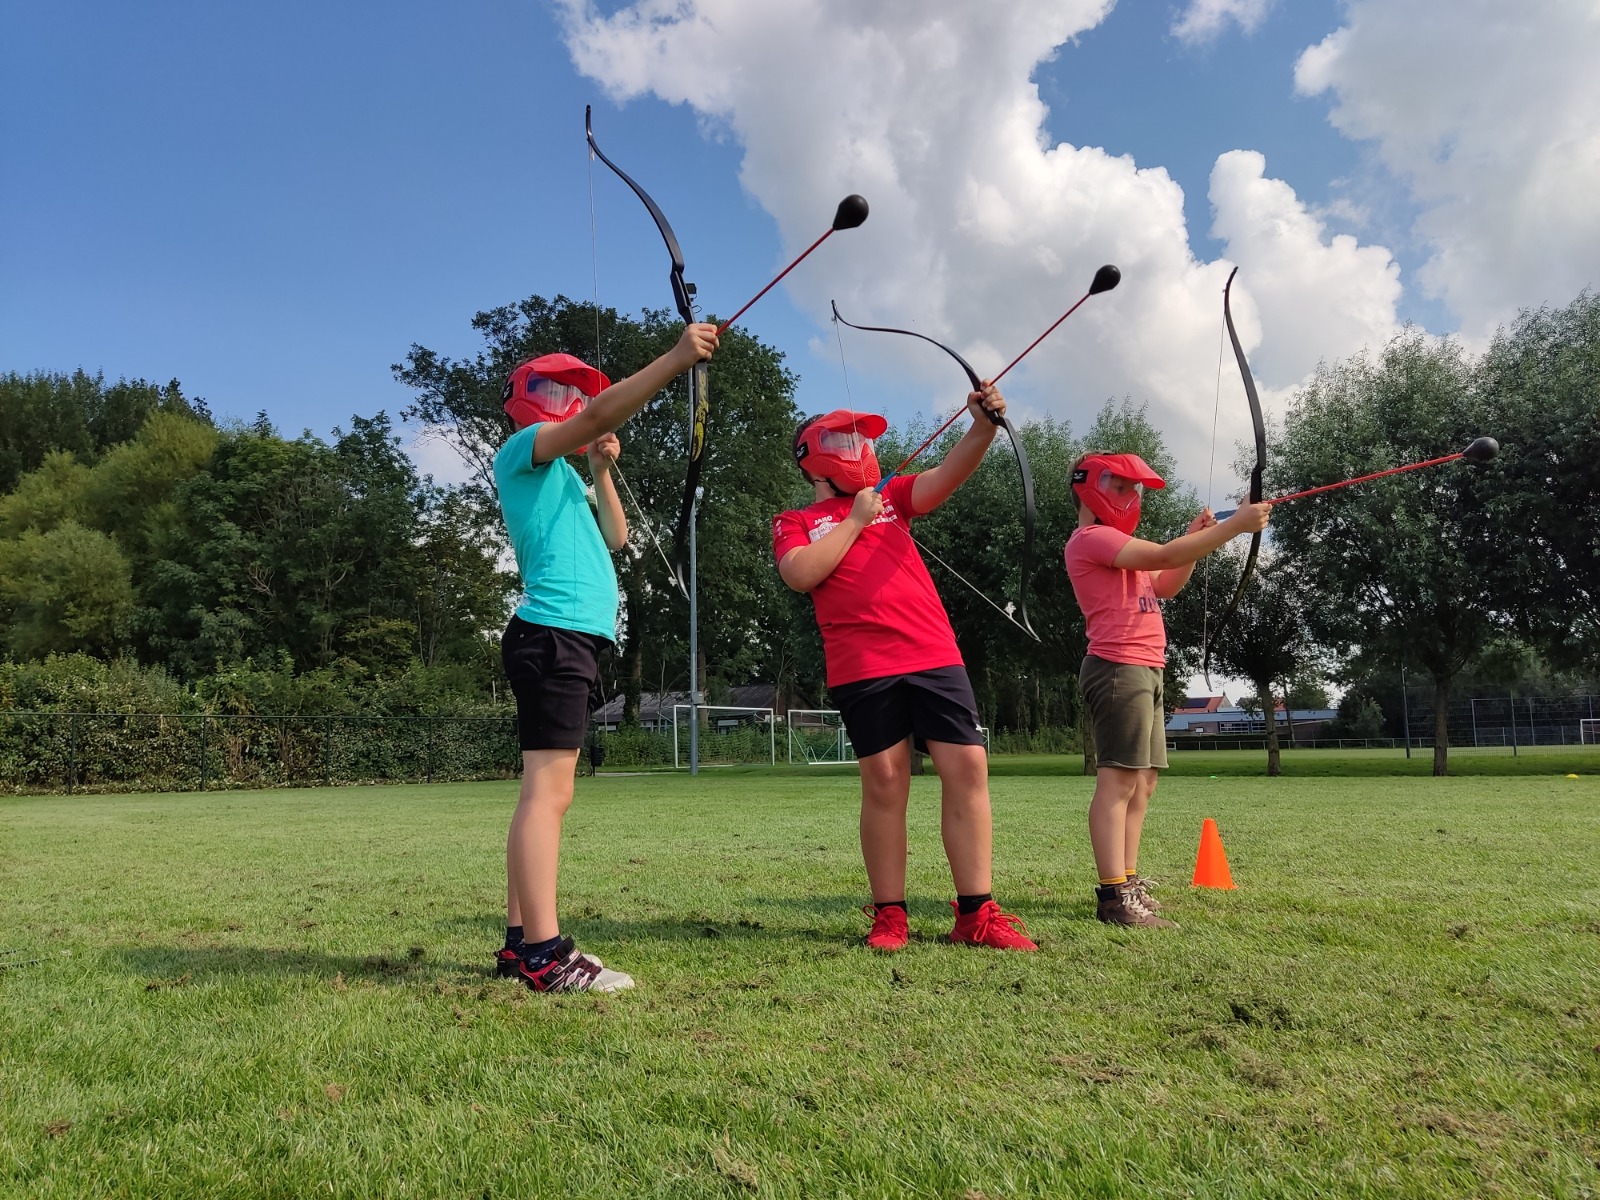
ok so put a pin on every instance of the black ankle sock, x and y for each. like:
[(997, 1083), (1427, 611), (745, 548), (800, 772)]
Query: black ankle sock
[(513, 937), (967, 905), (536, 954), (900, 904)]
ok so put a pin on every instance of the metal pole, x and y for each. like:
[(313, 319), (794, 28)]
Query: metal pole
[(1513, 725), (694, 636), (1474, 706), (1405, 709)]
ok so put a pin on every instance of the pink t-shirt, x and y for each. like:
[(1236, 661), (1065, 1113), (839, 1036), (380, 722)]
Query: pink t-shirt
[(1119, 606), (878, 611)]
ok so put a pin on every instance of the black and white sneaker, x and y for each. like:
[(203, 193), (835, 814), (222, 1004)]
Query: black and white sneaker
[(568, 971)]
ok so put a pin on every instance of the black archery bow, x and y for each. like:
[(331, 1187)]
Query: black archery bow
[(699, 375), (1255, 478), (1021, 619)]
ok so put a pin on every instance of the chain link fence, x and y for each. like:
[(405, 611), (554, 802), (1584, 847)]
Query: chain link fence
[(1510, 721)]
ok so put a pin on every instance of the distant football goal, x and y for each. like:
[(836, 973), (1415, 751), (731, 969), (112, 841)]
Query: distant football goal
[(1589, 731), (729, 736), (816, 735)]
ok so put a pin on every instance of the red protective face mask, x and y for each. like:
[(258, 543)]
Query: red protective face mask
[(1112, 487), (554, 387), (838, 447), (545, 400)]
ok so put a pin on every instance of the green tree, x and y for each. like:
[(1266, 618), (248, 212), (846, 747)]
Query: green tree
[(295, 547), (54, 492), (1405, 556), (461, 593), (1539, 383), (65, 590), (44, 412)]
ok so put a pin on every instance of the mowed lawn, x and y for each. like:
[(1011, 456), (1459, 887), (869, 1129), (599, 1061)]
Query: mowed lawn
[(287, 994)]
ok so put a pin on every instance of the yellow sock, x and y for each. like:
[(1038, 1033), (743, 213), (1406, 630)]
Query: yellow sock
[(1104, 882)]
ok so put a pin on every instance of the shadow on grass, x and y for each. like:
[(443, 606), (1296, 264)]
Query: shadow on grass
[(587, 925), (174, 966)]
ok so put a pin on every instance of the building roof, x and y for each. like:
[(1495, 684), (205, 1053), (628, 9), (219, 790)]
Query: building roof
[(1202, 704), (1182, 721)]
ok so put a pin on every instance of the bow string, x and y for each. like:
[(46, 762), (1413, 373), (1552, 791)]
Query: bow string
[(1020, 619)]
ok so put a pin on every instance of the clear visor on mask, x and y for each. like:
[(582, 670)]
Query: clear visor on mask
[(557, 399), (1121, 490), (843, 443)]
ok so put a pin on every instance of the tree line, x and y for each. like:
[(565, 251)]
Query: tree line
[(256, 570)]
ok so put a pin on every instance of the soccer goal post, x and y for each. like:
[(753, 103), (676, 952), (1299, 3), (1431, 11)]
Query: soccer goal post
[(730, 736), (1589, 731), (816, 735)]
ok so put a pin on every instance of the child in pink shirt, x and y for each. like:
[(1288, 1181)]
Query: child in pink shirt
[(1120, 582)]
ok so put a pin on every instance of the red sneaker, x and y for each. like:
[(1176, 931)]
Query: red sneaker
[(990, 927), (889, 928)]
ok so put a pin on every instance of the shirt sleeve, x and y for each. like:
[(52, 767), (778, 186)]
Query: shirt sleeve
[(898, 494), (788, 532), (518, 451), (1097, 545)]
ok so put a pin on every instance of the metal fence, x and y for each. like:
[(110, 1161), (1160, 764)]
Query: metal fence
[(1511, 721), (57, 751)]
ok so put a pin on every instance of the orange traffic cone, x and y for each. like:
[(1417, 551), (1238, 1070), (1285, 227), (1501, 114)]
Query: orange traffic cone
[(1211, 864)]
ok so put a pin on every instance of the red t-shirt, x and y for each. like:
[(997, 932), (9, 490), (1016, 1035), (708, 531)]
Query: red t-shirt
[(879, 612), (1120, 606)]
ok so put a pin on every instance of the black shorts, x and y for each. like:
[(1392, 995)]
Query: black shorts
[(555, 676), (932, 706)]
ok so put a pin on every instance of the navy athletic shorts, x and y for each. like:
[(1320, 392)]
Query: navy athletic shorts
[(555, 676), (931, 706)]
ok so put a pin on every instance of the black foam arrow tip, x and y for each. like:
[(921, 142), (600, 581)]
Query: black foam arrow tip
[(1481, 450), (852, 212), (1106, 278)]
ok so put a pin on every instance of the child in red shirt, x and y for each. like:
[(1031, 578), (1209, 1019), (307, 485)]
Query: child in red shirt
[(1120, 582), (893, 667)]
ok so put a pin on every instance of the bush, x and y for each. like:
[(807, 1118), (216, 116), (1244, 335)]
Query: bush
[(1049, 740)]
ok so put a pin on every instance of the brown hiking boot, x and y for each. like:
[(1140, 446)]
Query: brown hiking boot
[(1142, 885), (1119, 904)]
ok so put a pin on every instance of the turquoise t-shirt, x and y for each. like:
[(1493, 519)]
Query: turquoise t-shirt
[(567, 578)]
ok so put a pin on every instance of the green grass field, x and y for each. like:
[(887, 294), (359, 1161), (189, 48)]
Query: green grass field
[(287, 994)]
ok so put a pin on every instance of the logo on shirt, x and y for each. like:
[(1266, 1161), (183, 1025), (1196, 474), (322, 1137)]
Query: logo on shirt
[(826, 525)]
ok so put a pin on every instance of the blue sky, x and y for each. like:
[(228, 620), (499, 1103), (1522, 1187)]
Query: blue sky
[(271, 203)]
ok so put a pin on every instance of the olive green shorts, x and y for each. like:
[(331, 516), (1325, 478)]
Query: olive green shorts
[(1125, 702)]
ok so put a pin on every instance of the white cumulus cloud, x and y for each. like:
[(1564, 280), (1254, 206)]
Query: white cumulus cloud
[(1486, 112), (1203, 20), (983, 231)]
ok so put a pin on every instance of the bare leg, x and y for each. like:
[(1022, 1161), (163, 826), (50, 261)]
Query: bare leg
[(885, 791), (1138, 805), (965, 822), (1114, 788), (533, 844)]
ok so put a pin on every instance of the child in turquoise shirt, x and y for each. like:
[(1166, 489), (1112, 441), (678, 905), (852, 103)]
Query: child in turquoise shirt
[(558, 405)]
